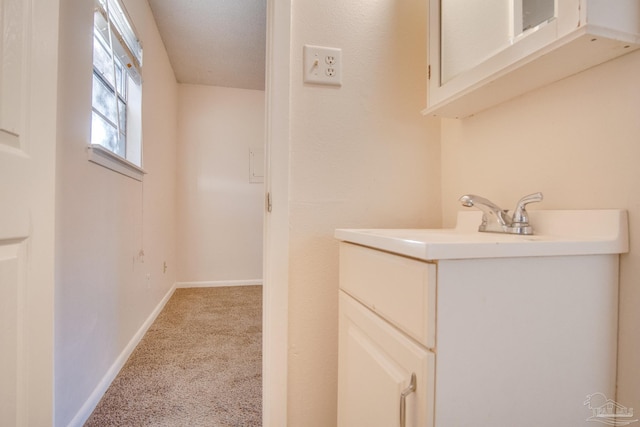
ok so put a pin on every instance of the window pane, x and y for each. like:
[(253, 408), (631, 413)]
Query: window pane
[(123, 117), (102, 59), (103, 133), (102, 56), (102, 64), (120, 79), (104, 99)]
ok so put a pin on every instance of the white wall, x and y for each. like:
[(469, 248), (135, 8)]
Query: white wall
[(577, 141), (361, 156), (219, 211), (104, 219)]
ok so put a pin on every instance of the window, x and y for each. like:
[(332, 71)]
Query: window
[(116, 128)]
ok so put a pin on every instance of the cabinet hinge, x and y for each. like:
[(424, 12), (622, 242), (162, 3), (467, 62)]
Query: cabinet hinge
[(429, 72), (268, 202)]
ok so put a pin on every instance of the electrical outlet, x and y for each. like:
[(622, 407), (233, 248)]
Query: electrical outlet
[(322, 65)]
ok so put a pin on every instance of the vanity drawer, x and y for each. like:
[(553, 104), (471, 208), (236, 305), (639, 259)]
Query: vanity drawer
[(401, 290)]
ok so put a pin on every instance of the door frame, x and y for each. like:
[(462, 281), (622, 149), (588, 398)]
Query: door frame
[(276, 219)]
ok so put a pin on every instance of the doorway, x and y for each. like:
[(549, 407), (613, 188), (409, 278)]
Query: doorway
[(275, 223)]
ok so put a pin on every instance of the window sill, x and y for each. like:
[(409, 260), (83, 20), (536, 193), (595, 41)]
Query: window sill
[(101, 156)]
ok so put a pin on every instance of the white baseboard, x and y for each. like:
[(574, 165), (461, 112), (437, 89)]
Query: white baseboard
[(85, 412), (219, 283)]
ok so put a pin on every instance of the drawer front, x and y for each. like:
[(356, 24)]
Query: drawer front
[(399, 289)]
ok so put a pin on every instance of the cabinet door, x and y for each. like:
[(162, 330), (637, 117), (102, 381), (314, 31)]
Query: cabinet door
[(376, 363), (467, 53)]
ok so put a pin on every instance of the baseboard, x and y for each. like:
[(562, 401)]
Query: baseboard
[(85, 412), (219, 283)]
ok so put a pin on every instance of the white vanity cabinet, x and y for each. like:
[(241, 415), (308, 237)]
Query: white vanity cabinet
[(378, 355), (483, 53), (498, 329)]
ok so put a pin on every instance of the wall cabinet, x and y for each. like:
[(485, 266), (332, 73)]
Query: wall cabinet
[(493, 341), (483, 53)]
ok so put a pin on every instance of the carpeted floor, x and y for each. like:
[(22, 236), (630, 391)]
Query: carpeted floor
[(199, 364)]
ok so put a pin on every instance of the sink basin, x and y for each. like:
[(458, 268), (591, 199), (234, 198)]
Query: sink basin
[(557, 232)]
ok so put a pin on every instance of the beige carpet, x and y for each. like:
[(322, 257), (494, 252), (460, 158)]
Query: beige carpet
[(199, 364)]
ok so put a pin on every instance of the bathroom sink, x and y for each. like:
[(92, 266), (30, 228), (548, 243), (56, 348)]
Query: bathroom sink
[(556, 232)]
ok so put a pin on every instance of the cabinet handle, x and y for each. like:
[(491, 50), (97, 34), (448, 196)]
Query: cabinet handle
[(403, 400)]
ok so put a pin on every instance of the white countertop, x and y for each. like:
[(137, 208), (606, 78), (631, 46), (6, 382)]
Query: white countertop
[(556, 233)]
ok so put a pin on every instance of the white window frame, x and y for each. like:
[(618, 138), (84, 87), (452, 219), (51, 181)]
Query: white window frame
[(125, 48)]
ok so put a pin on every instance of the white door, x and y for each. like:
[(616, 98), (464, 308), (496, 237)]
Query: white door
[(375, 365), (28, 75)]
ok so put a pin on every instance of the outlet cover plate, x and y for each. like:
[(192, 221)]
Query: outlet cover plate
[(323, 65)]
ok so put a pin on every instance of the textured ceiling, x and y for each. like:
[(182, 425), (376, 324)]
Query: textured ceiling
[(214, 42)]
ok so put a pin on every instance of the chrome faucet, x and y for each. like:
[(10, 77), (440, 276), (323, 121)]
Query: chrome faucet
[(497, 220)]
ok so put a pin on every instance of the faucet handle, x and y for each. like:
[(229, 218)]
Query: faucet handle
[(520, 215)]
